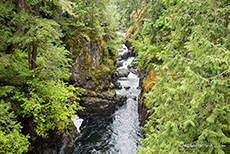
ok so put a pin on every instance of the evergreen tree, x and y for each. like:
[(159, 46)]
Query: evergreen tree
[(189, 104), (34, 63)]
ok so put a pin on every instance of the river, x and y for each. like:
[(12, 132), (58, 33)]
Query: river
[(120, 133)]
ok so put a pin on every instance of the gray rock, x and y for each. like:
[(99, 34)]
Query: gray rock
[(126, 55), (117, 85), (127, 87), (122, 72), (132, 97), (68, 139), (118, 64), (100, 104), (119, 58), (135, 71)]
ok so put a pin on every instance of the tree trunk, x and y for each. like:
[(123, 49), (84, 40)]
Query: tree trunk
[(37, 9), (20, 6), (19, 26), (35, 47), (29, 57), (25, 7), (107, 63), (34, 56)]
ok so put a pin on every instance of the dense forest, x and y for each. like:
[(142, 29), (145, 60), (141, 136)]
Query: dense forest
[(182, 46), (39, 42)]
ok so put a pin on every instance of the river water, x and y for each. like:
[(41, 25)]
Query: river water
[(120, 133)]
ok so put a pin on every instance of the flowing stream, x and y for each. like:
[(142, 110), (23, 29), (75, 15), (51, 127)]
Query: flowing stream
[(120, 133)]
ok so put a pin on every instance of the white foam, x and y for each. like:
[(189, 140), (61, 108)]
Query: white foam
[(77, 122)]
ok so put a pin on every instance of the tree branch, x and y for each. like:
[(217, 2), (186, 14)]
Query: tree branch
[(217, 75)]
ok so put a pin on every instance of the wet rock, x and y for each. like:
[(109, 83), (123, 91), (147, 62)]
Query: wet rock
[(132, 65), (142, 108), (132, 97), (133, 68), (122, 47), (68, 139), (122, 72), (118, 64), (119, 58), (99, 104), (130, 47), (126, 55), (134, 71), (117, 85), (128, 44), (127, 87)]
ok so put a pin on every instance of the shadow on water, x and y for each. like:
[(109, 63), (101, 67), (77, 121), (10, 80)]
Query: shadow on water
[(96, 136)]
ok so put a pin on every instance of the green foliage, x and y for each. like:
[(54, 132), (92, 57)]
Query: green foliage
[(7, 13), (53, 64), (12, 141), (35, 62), (147, 54), (48, 105), (190, 101), (127, 8), (14, 69), (37, 31)]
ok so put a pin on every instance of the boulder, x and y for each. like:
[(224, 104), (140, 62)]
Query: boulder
[(122, 47), (129, 46), (118, 64), (117, 85), (100, 104), (132, 97), (126, 55), (122, 72), (119, 58), (127, 87), (133, 64), (133, 68)]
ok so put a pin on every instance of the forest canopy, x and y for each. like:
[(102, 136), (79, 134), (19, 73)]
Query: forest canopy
[(38, 43), (184, 46)]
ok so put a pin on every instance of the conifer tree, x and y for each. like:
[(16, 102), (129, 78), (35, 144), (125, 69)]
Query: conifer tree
[(32, 87), (34, 65), (189, 104)]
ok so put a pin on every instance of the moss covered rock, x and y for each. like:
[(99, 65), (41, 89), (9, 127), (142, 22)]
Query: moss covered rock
[(100, 103)]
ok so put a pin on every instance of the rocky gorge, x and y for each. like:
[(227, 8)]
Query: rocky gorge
[(99, 96), (103, 131)]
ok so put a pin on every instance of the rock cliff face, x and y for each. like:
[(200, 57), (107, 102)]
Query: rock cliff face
[(93, 72), (142, 109), (88, 71)]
